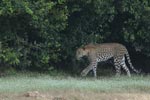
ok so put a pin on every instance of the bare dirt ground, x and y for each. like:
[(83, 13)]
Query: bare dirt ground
[(73, 95)]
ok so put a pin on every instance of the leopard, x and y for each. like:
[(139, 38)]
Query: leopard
[(102, 52)]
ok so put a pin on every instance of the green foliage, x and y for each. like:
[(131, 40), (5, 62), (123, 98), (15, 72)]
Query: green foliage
[(9, 56), (29, 32), (44, 35)]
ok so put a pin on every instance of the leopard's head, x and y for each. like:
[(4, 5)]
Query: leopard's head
[(81, 52)]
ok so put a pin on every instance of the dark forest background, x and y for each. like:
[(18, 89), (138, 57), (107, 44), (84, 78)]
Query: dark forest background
[(43, 35)]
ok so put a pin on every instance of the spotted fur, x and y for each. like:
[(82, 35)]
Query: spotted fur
[(102, 52)]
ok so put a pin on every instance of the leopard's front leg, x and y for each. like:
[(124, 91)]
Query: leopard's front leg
[(92, 66)]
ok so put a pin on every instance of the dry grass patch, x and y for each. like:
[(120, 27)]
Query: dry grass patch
[(45, 87), (75, 95)]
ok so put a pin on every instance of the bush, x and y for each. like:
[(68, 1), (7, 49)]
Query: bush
[(44, 35)]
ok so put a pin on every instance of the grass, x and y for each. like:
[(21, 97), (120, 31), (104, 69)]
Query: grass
[(40, 82)]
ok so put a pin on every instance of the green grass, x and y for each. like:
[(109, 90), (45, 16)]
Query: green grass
[(25, 82)]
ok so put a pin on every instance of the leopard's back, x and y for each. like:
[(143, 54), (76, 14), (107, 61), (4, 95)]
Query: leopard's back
[(105, 51)]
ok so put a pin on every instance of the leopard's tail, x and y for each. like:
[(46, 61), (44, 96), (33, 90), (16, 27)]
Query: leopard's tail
[(131, 66)]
